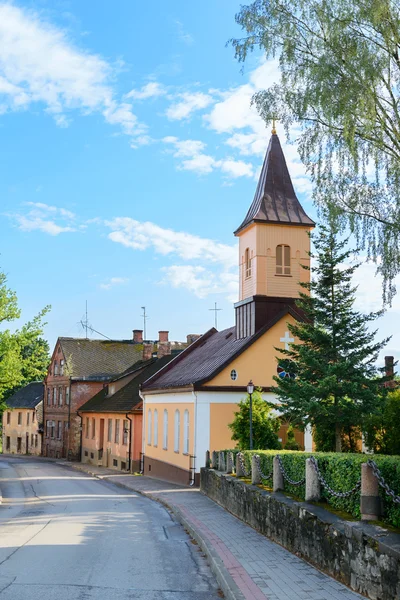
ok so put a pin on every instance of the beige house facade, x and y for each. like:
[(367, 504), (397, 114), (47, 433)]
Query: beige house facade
[(23, 421)]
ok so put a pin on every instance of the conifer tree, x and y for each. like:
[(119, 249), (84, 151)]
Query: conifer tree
[(332, 361)]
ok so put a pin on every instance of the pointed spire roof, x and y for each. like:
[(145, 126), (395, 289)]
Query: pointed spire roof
[(275, 200)]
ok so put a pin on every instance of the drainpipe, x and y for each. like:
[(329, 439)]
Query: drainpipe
[(69, 420), (80, 440), (143, 429), (130, 443), (194, 438)]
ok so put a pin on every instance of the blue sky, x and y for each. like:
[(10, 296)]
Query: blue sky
[(129, 155)]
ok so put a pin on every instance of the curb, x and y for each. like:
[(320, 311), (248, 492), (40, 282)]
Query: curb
[(224, 579)]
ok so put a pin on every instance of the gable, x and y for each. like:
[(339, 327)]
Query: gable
[(257, 362)]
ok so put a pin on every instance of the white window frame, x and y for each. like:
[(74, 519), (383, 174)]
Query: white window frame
[(186, 425), (155, 430), (165, 430), (177, 430), (149, 427)]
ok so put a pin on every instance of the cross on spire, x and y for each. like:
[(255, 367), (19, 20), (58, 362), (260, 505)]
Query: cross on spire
[(287, 340), (273, 126)]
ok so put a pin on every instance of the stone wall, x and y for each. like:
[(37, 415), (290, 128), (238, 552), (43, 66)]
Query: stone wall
[(363, 556)]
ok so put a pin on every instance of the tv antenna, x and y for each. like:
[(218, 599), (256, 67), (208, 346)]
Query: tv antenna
[(145, 317), (216, 311), (87, 326)]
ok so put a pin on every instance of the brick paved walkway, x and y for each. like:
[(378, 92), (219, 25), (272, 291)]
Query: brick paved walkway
[(255, 568)]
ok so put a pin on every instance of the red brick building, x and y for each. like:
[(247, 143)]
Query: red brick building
[(79, 369)]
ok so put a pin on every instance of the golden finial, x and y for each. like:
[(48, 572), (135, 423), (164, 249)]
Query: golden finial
[(273, 126)]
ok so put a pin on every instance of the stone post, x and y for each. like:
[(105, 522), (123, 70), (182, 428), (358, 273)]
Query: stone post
[(370, 505), (221, 461), (313, 487), (229, 462), (239, 470), (214, 460), (255, 474), (208, 461), (278, 483)]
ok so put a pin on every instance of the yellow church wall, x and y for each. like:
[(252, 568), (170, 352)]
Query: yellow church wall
[(220, 417), (179, 459), (258, 362)]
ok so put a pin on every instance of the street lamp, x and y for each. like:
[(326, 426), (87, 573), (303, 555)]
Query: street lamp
[(250, 390)]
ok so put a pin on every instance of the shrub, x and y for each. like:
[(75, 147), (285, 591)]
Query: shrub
[(341, 471)]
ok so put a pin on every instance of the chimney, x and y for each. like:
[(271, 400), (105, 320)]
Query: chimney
[(389, 370), (164, 349), (192, 337), (163, 336), (147, 351), (138, 336)]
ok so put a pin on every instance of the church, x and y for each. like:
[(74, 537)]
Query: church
[(188, 404)]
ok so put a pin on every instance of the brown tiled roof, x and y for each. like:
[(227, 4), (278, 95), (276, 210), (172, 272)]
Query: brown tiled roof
[(99, 359), (127, 397), (28, 396), (205, 358), (275, 200)]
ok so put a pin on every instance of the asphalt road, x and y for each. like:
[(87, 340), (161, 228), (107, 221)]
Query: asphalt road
[(64, 535)]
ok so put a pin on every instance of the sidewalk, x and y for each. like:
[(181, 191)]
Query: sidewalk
[(246, 564)]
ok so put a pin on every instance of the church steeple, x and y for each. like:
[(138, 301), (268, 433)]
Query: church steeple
[(273, 246), (275, 200)]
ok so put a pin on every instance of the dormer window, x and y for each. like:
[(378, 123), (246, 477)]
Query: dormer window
[(247, 260), (283, 260)]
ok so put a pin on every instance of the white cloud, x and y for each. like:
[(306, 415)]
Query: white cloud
[(202, 282), (194, 159), (183, 35), (112, 282), (46, 218), (141, 236), (153, 89), (188, 103), (40, 65), (208, 267)]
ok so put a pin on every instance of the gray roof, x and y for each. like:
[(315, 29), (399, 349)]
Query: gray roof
[(28, 396), (99, 359), (206, 357), (275, 200), (200, 361)]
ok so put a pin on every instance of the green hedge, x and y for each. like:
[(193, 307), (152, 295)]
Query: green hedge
[(341, 471)]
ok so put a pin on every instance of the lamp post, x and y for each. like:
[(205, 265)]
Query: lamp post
[(250, 390)]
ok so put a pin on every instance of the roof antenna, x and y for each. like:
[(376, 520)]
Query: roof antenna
[(85, 323), (145, 317), (216, 310)]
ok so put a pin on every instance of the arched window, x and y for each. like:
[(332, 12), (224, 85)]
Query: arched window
[(165, 430), (247, 260), (186, 432), (177, 430), (155, 440), (149, 427), (283, 260)]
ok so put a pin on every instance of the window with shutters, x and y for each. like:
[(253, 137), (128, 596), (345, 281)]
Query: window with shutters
[(283, 260), (125, 425)]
